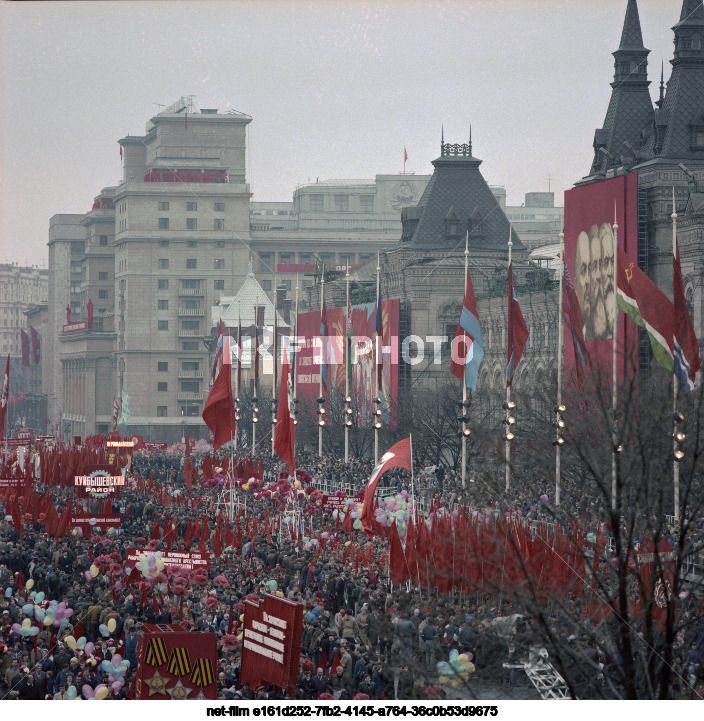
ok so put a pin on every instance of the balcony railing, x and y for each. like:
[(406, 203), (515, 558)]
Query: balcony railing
[(190, 374), (191, 311), (191, 396), (190, 334), (191, 291)]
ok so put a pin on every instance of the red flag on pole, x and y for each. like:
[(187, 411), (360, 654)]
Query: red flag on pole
[(517, 330), (219, 411), (285, 433), (398, 456), (398, 568), (405, 155), (4, 397)]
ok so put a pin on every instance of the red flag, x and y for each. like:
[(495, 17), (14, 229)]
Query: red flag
[(398, 568), (405, 155), (14, 511), (35, 344), (517, 330), (24, 337), (219, 411), (398, 456), (4, 397), (285, 433), (346, 526)]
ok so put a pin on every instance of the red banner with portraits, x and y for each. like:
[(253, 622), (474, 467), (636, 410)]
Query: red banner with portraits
[(271, 642), (590, 211)]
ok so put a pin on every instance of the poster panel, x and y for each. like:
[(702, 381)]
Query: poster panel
[(589, 255)]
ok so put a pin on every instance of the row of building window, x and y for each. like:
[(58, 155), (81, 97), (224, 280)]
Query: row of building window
[(192, 409), (192, 206), (163, 284), (340, 203), (186, 387), (191, 224), (163, 366), (267, 262), (185, 324), (192, 243)]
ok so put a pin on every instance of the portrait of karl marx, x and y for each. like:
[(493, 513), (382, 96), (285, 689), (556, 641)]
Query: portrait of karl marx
[(594, 282)]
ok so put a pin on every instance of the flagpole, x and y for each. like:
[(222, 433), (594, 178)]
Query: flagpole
[(614, 373), (464, 380), (322, 360), (347, 377), (675, 464), (293, 369), (256, 374), (239, 369), (560, 341), (508, 385), (376, 363), (413, 491), (273, 384)]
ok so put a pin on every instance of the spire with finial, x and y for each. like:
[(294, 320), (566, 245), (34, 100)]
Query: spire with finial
[(442, 140), (660, 101), (470, 139)]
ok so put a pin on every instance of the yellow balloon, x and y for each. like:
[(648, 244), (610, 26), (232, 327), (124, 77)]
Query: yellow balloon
[(245, 486), (74, 532), (27, 623), (29, 584), (112, 625), (94, 571), (454, 683), (48, 621), (241, 617), (471, 668), (101, 693), (70, 641), (443, 679), (280, 593), (463, 659)]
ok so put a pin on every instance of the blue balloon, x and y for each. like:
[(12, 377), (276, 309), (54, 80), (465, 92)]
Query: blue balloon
[(28, 609), (102, 628)]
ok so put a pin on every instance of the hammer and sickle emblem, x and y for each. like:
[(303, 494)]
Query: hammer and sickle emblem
[(629, 273)]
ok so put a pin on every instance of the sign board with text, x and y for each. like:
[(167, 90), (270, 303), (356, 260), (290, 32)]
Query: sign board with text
[(271, 643), (88, 521), (176, 559)]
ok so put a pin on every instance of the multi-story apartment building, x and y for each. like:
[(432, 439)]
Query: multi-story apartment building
[(21, 287)]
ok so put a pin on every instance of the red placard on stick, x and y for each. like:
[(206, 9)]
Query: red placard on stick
[(271, 645)]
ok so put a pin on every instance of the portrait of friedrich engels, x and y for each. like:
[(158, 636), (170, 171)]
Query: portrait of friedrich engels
[(594, 280)]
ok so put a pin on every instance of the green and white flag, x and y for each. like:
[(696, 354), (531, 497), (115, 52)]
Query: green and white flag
[(125, 413), (648, 307)]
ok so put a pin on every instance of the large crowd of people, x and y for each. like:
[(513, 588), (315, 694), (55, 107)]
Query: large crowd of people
[(362, 637)]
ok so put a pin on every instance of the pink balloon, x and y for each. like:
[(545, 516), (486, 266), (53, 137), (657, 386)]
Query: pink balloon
[(116, 686), (89, 648), (87, 691), (87, 575), (116, 660)]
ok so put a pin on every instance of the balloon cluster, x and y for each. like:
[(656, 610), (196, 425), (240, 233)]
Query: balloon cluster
[(458, 669), (150, 565), (395, 508)]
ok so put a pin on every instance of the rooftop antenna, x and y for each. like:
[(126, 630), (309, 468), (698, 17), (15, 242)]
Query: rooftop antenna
[(470, 140), (159, 105), (549, 180)]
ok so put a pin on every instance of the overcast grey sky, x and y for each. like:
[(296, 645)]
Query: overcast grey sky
[(335, 90)]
